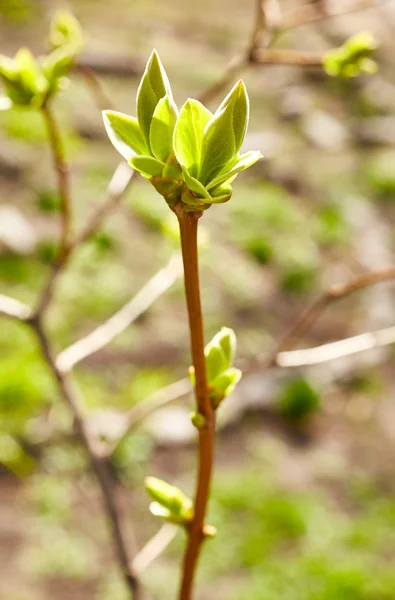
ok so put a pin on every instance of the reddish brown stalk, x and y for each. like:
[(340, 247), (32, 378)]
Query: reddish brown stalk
[(188, 228)]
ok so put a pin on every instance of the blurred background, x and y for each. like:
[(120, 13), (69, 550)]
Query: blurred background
[(304, 493)]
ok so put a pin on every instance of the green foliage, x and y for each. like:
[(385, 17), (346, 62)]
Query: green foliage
[(222, 377), (192, 157), (298, 399), (28, 81), (170, 503), (353, 58), (380, 174)]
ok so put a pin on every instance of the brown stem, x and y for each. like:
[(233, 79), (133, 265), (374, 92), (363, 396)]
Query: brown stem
[(62, 173), (188, 228), (99, 464), (332, 294)]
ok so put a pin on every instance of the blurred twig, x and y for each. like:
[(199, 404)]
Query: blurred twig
[(120, 183), (324, 9), (9, 307), (99, 94), (100, 466), (154, 547), (116, 324), (336, 350), (334, 293), (157, 400)]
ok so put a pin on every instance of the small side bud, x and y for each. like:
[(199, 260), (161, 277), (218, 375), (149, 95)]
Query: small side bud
[(209, 531), (170, 503), (198, 420)]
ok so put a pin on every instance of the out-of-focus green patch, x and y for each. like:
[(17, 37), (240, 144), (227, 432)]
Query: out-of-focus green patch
[(331, 227), (298, 399), (48, 201), (298, 277), (47, 251), (380, 174), (14, 457), (131, 457), (51, 497), (18, 11), (18, 269), (57, 552), (25, 388)]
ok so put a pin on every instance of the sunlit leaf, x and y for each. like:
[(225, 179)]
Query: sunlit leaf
[(153, 86), (162, 127), (188, 135), (125, 133)]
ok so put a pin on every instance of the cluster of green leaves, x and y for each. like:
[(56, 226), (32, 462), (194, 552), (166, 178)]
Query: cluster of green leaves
[(191, 156), (29, 81), (353, 58), (169, 503), (222, 377)]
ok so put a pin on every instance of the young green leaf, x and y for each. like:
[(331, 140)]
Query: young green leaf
[(162, 127), (125, 133), (153, 86), (245, 161), (216, 361), (221, 194), (65, 30), (224, 133), (147, 166), (30, 74), (195, 186), (223, 385), (227, 340), (8, 68), (188, 135)]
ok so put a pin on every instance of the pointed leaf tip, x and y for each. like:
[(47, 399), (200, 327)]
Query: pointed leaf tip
[(153, 86), (124, 133)]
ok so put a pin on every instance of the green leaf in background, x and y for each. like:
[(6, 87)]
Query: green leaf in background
[(65, 30), (124, 133), (147, 166), (153, 86), (30, 74), (298, 399), (353, 58), (188, 135), (224, 133), (162, 127), (170, 503), (223, 385), (244, 162)]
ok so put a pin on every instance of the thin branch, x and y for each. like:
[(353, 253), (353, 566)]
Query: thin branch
[(146, 407), (288, 57), (9, 307), (154, 547), (336, 350), (119, 184), (105, 333), (99, 94), (103, 64), (334, 293), (100, 465), (324, 9)]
